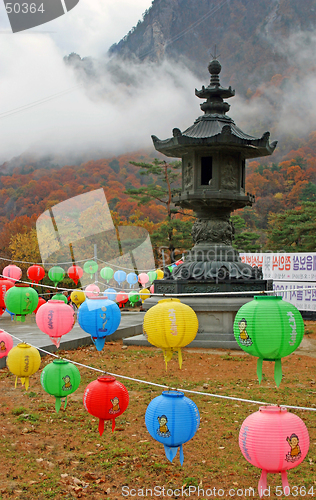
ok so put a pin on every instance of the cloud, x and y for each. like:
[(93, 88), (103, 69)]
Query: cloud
[(115, 111)]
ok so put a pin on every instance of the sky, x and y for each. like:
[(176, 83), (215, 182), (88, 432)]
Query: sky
[(61, 115)]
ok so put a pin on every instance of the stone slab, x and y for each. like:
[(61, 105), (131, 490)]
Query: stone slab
[(131, 324)]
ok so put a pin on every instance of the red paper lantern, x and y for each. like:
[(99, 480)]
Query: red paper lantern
[(41, 302), (4, 286), (35, 273), (121, 298), (75, 273), (105, 399), (12, 273)]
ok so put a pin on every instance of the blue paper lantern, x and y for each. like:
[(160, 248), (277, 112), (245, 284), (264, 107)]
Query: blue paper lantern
[(172, 419), (131, 278), (100, 317), (110, 294), (120, 276)]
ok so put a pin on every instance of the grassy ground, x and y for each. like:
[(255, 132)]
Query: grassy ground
[(61, 455)]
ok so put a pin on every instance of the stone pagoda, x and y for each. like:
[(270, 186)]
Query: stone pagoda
[(214, 153)]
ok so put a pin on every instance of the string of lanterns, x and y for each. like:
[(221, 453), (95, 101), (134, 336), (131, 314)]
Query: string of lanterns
[(266, 327)]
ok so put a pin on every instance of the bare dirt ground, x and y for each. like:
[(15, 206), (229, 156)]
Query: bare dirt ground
[(62, 456)]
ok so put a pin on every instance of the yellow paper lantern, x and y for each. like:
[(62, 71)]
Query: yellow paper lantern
[(160, 274), (77, 297), (144, 294), (23, 360), (170, 325)]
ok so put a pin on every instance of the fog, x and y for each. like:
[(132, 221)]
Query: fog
[(47, 107)]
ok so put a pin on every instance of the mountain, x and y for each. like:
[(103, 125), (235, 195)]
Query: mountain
[(249, 35)]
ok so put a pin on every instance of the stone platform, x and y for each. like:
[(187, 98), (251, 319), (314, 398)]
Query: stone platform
[(216, 318)]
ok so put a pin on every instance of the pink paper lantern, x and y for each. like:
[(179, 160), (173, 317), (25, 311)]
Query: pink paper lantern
[(6, 343), (121, 298), (92, 291), (143, 278), (152, 289), (275, 441), (56, 319), (12, 273)]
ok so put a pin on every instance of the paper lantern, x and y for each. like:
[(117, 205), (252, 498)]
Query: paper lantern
[(60, 296), (143, 278), (12, 273), (110, 293), (6, 343), (121, 298), (60, 378), (35, 273), (152, 289), (170, 325), (270, 328), (23, 361), (4, 287), (105, 399), (132, 279), (92, 290), (100, 317), (56, 274), (152, 276), (21, 299), (120, 277), (75, 273), (77, 297), (275, 441), (144, 294), (172, 419), (133, 297), (41, 302), (107, 273), (90, 267), (55, 318), (160, 274)]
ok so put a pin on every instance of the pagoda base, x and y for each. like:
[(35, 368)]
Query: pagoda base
[(216, 315)]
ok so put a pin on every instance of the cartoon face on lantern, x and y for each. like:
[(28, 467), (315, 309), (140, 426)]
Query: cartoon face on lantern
[(243, 335), (295, 453)]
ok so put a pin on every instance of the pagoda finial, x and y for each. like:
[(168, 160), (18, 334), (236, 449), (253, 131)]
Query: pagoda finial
[(215, 68)]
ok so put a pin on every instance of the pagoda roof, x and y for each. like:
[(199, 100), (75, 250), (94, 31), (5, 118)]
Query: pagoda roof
[(214, 129)]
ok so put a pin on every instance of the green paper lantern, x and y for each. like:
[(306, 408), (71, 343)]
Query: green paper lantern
[(56, 274), (152, 275), (21, 299), (133, 297), (107, 273), (269, 328), (90, 267), (60, 378), (60, 296)]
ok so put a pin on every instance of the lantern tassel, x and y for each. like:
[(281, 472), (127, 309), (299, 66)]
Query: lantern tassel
[(180, 357), (278, 371), (27, 383), (285, 483), (113, 424), (262, 485), (101, 426), (16, 381), (167, 354), (259, 369), (57, 404), (171, 452)]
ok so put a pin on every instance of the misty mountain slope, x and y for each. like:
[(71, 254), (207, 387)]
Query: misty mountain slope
[(248, 34)]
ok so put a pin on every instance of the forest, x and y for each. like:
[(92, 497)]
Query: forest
[(282, 218)]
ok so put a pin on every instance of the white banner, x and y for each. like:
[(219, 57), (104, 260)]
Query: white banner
[(301, 295), (284, 266)]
